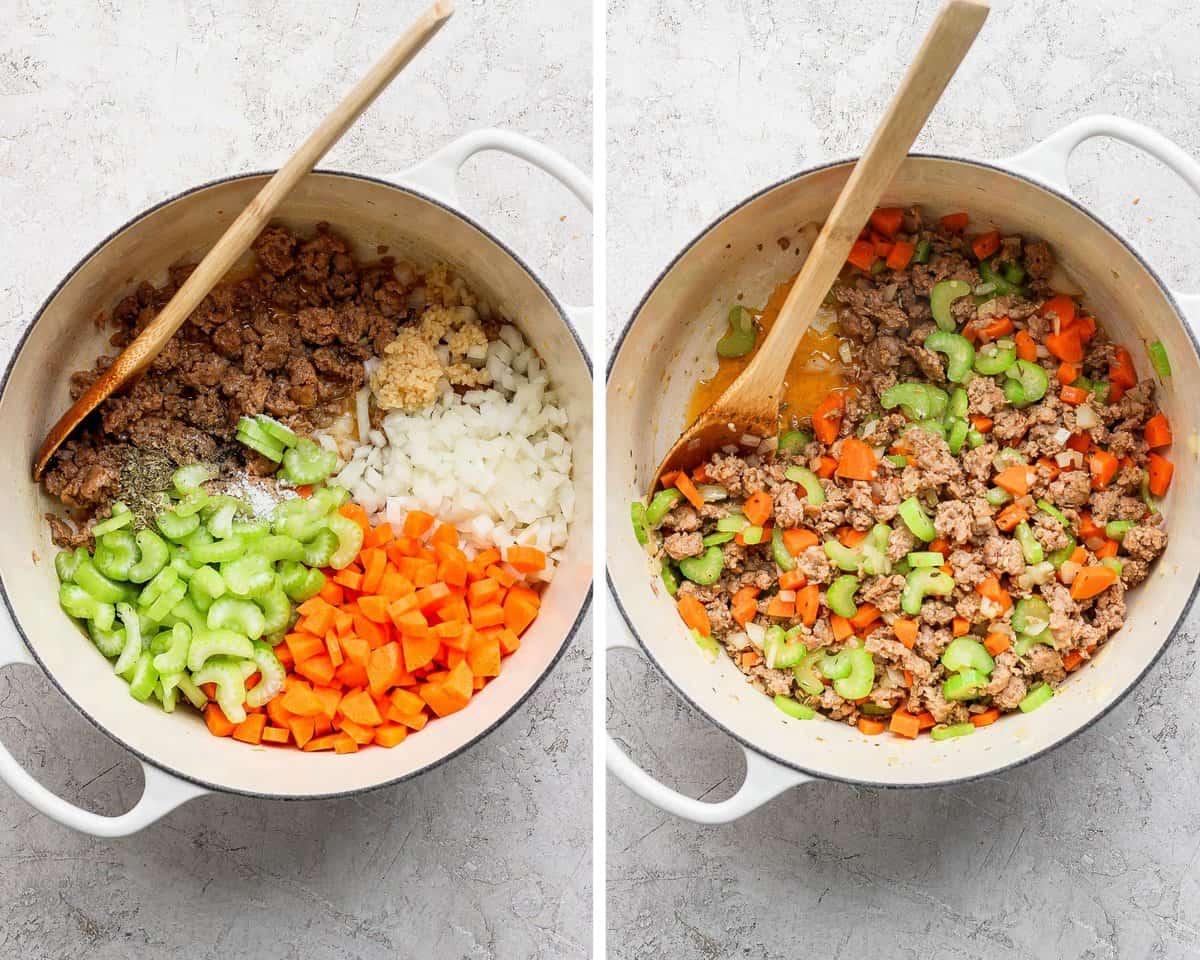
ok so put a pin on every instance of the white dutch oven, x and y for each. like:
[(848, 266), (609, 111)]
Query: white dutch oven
[(668, 344), (418, 219)]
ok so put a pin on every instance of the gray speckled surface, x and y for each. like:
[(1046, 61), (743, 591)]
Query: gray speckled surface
[(1090, 852), (106, 109)]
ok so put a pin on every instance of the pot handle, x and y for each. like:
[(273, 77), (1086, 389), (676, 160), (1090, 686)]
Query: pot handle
[(438, 175), (765, 778), (161, 793), (1047, 163)]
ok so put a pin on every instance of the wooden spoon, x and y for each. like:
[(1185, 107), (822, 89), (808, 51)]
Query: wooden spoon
[(136, 357), (748, 410)]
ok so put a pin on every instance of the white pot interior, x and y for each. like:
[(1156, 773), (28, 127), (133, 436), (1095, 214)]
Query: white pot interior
[(669, 345), (65, 339)]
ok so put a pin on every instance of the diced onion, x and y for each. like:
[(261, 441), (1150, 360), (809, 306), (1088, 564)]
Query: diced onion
[(496, 463), (1086, 417)]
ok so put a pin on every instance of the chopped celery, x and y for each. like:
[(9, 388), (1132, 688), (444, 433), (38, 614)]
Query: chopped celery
[(794, 708)]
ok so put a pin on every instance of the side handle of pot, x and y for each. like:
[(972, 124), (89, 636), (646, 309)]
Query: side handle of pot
[(438, 176), (1047, 163), (161, 793), (765, 778)]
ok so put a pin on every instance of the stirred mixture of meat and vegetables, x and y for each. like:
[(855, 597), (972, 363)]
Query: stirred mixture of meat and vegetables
[(948, 536)]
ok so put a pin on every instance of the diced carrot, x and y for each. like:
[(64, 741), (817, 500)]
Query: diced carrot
[(519, 612), (329, 698), (826, 466), (954, 222), (925, 720), (1062, 307), (279, 735), (1026, 348), (374, 608), (1091, 581), (1157, 431), (1122, 371), (1107, 549), (385, 667), (302, 730), (1065, 346), (1074, 396), (1102, 466), (302, 646), (997, 643), (483, 656), (361, 735), (1067, 374), (352, 511), (990, 589), (867, 614), (981, 423), (344, 743), (780, 608), (1016, 479), (797, 540), (850, 537), (694, 615), (758, 507), (862, 255), (906, 631), (683, 483), (939, 545), (216, 721), (505, 576), (1160, 469), (904, 724), (374, 564), (331, 593), (251, 729), (526, 559), (751, 658), (419, 651), (960, 626), (360, 708), (842, 627), (1010, 516), (482, 591), (1072, 661), (792, 580), (1079, 442), (857, 460), (446, 535), (987, 718), (300, 700), (901, 255), (887, 220), (318, 669), (349, 578), (808, 601), (996, 328), (869, 727), (827, 418), (984, 245), (390, 734), (417, 523)]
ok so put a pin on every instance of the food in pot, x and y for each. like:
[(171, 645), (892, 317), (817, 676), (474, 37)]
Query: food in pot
[(946, 537), (212, 554)]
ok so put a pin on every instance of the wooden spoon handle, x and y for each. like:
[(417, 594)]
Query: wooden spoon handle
[(945, 46), (236, 240)]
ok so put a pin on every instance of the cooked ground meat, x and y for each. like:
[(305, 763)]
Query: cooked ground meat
[(289, 339), (1006, 554)]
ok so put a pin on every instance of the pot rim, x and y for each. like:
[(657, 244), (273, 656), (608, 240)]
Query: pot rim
[(333, 794), (756, 748)]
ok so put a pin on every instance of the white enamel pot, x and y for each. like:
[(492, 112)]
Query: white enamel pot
[(417, 218), (668, 344)]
